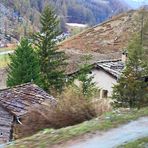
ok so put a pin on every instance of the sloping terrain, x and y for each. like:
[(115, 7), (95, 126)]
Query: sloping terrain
[(49, 137), (110, 36), (114, 137), (73, 11), (12, 26), (92, 11)]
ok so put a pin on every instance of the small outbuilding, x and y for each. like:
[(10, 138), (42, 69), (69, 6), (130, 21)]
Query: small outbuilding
[(19, 114)]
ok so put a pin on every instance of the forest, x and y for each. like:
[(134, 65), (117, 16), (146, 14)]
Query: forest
[(74, 11)]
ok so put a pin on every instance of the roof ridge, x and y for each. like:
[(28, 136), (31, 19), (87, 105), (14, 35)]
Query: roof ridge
[(21, 85), (111, 60)]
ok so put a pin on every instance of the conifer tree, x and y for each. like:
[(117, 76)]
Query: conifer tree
[(52, 61), (131, 90), (87, 81), (88, 86), (24, 65)]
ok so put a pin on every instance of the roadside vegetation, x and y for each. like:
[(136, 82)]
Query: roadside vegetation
[(73, 107), (139, 143), (49, 137)]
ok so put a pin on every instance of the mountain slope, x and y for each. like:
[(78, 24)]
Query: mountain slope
[(89, 11), (74, 11), (19, 18), (12, 25), (110, 36)]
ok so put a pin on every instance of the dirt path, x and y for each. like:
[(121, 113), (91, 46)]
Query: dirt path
[(112, 138)]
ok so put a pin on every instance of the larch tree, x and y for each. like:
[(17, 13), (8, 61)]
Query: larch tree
[(24, 65), (131, 90), (52, 61)]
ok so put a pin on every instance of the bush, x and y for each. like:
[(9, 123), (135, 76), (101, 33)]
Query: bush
[(73, 107)]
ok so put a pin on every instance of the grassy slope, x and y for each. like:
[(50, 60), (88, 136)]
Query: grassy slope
[(48, 137), (4, 60), (140, 143)]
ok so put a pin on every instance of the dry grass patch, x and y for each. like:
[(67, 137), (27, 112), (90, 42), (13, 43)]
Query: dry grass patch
[(73, 108)]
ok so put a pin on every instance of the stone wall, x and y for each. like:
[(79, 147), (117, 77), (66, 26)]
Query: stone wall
[(104, 81)]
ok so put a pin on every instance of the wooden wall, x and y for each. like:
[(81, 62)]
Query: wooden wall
[(3, 77), (6, 120)]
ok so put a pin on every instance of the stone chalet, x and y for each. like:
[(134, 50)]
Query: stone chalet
[(106, 73), (17, 104)]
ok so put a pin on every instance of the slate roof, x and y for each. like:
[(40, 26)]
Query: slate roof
[(113, 67), (75, 60), (18, 100)]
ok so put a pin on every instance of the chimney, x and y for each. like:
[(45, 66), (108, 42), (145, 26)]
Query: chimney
[(124, 56)]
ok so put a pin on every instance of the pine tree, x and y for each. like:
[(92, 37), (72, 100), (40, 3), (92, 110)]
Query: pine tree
[(24, 65), (131, 88), (52, 61)]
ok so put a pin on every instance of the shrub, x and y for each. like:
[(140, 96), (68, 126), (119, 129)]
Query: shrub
[(73, 107)]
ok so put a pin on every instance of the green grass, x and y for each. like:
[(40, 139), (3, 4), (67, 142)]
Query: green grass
[(140, 143), (7, 49), (49, 137), (4, 60)]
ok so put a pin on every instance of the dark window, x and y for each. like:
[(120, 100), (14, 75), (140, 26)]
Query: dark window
[(104, 93), (90, 72)]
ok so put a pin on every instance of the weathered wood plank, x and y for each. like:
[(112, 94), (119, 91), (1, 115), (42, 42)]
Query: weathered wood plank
[(6, 120)]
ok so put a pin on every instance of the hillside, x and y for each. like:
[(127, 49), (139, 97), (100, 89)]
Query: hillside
[(110, 36), (74, 11), (55, 138), (12, 26), (89, 11)]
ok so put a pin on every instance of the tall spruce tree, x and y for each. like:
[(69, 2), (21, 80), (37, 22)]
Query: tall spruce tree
[(52, 61), (131, 90), (24, 65)]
